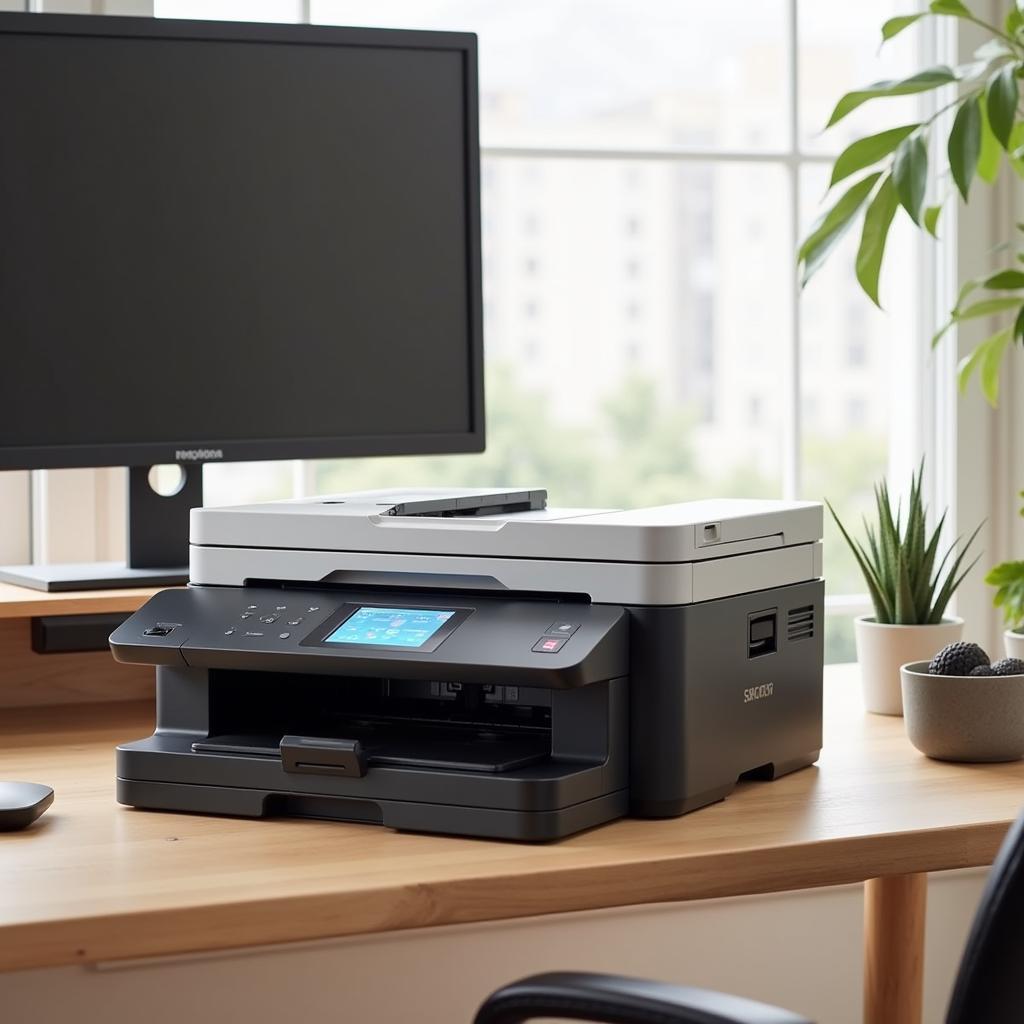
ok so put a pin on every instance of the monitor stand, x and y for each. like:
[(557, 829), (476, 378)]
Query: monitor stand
[(157, 527)]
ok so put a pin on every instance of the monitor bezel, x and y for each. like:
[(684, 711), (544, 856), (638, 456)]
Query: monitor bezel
[(215, 449)]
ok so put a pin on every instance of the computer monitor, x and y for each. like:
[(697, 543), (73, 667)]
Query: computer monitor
[(226, 241)]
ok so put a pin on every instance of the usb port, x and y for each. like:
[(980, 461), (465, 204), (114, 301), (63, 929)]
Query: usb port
[(761, 634)]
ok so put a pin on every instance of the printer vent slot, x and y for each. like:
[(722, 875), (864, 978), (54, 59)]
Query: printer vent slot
[(800, 623)]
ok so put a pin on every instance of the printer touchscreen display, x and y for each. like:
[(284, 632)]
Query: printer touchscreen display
[(390, 627)]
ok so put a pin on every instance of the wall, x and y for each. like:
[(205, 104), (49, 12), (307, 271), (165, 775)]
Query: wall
[(799, 950)]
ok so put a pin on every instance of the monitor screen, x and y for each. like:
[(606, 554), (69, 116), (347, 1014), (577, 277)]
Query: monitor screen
[(229, 241), (390, 627)]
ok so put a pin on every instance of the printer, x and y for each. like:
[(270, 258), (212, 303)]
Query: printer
[(472, 662)]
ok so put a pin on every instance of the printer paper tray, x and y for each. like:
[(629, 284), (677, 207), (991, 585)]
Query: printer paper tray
[(468, 754)]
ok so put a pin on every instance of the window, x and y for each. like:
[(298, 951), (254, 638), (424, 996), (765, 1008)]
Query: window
[(643, 195)]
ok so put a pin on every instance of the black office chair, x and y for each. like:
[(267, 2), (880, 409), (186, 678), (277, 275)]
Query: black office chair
[(989, 986)]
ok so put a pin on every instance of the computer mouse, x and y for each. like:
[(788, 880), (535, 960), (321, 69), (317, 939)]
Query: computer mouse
[(21, 803)]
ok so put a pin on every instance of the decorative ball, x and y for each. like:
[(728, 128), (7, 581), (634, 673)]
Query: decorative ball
[(959, 659), (1008, 667), (983, 670)]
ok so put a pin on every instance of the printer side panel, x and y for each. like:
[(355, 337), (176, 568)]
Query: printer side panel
[(723, 689)]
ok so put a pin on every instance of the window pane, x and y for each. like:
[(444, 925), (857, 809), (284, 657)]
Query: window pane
[(839, 52), (627, 363), (858, 366), (635, 73), (235, 483), (839, 643)]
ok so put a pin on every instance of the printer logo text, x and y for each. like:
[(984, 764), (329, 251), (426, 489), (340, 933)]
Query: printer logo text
[(758, 692)]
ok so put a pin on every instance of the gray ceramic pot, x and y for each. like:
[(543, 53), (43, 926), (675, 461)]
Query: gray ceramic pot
[(964, 718)]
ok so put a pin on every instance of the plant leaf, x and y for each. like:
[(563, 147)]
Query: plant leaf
[(995, 349), (1016, 148), (986, 358), (928, 565), (930, 218), (1018, 333), (894, 26), (831, 226), (1005, 280), (923, 81), (865, 152), (952, 7), (1014, 21), (965, 289), (910, 175), (883, 610), (965, 144), (952, 580), (1009, 579), (1001, 96), (986, 307), (967, 367), (877, 220), (991, 154)]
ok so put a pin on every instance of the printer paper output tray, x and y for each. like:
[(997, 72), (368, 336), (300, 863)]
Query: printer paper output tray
[(377, 748)]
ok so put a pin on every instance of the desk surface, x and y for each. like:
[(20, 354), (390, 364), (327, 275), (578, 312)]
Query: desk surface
[(95, 881), (21, 602)]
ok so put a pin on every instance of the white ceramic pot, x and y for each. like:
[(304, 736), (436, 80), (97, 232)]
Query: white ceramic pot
[(1014, 640), (882, 649)]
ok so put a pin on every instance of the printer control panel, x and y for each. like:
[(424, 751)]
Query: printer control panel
[(448, 635), (273, 617)]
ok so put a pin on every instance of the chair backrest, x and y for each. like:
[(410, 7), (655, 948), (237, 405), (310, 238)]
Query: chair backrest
[(990, 983)]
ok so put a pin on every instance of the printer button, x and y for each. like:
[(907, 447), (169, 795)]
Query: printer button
[(313, 608), (565, 629), (283, 636), (268, 619), (549, 644), (295, 622), (252, 634)]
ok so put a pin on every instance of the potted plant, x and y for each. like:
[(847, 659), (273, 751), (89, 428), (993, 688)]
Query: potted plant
[(980, 127), (1008, 579), (910, 588)]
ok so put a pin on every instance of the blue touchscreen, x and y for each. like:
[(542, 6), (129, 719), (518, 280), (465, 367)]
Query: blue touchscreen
[(390, 627)]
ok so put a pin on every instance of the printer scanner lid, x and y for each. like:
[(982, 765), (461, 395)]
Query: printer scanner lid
[(511, 524)]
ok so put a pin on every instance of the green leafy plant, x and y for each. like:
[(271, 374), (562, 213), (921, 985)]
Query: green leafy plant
[(986, 126), (1008, 579), (907, 586)]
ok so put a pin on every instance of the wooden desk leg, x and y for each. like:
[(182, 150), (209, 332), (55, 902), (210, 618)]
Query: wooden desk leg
[(894, 914)]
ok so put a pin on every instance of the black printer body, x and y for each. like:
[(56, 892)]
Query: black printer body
[(451, 702)]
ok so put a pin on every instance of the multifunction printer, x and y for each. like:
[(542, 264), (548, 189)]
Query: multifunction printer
[(473, 662)]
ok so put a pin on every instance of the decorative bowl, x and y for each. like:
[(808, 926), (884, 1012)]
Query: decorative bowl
[(963, 718)]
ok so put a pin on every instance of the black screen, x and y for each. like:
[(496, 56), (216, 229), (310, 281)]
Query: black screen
[(209, 241)]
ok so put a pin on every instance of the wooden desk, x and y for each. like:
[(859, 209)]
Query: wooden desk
[(94, 881), (28, 679), (21, 602)]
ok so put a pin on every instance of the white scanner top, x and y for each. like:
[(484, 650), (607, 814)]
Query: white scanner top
[(510, 524)]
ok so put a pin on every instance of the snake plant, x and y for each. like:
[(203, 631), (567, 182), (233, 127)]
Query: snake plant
[(909, 584)]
